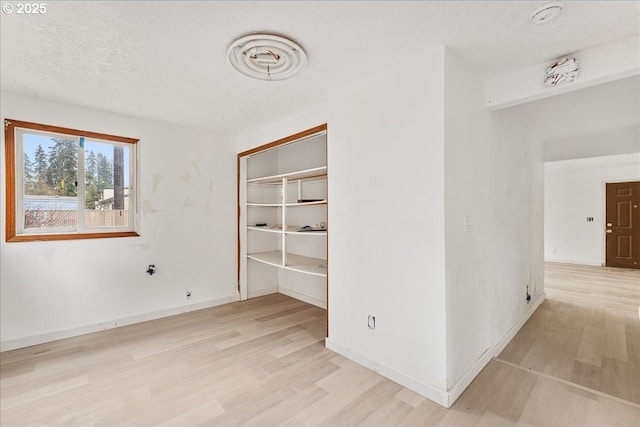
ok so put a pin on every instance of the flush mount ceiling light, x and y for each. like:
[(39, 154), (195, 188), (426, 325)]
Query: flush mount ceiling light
[(266, 57), (547, 13), (564, 70)]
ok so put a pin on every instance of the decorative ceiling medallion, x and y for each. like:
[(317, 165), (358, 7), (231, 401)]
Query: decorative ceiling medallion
[(266, 57)]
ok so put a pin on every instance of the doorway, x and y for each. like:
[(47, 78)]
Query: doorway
[(623, 224), (282, 219)]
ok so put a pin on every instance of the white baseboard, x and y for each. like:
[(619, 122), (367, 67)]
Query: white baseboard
[(500, 345), (303, 297), (460, 386), (566, 261), (445, 398), (427, 390), (261, 292), (87, 329)]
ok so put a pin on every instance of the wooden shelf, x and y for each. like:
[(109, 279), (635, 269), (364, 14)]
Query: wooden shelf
[(290, 230), (319, 202), (279, 205), (303, 174), (299, 263), (270, 193)]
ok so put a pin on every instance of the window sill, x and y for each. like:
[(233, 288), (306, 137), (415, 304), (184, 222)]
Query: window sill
[(69, 236)]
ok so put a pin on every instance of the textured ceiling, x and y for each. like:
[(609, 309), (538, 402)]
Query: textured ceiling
[(166, 60)]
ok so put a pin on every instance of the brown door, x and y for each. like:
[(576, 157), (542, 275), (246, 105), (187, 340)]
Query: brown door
[(623, 225)]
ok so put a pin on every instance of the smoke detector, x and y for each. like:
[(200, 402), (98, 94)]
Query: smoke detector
[(564, 70), (266, 57), (547, 12)]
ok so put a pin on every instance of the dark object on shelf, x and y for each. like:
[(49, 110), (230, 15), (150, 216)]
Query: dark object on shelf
[(310, 200), (261, 224), (310, 228)]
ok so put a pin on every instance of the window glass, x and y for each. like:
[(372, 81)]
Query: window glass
[(50, 176), (68, 184), (107, 184)]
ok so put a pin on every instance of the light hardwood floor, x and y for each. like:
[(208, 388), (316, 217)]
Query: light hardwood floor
[(263, 362), (587, 332), (595, 287)]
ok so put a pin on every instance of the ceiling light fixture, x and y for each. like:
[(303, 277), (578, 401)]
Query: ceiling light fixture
[(266, 57), (547, 12), (564, 70)]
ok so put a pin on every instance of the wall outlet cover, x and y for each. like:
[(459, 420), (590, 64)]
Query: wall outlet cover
[(371, 322)]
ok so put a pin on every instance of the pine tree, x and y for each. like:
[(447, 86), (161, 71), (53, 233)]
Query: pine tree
[(40, 168), (62, 173), (104, 172), (28, 175), (92, 194), (91, 165), (28, 168), (41, 165)]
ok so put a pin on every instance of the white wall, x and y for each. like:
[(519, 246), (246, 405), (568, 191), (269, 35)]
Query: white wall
[(493, 179), (515, 244), (386, 216), (575, 190), (50, 290), (386, 219), (408, 158), (467, 189)]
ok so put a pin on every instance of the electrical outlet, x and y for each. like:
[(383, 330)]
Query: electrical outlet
[(151, 270), (371, 322), (188, 294)]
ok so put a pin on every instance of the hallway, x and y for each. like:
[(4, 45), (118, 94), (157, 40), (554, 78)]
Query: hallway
[(586, 333)]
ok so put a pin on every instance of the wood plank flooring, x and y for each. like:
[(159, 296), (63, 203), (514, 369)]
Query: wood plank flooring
[(599, 287), (587, 332), (262, 362)]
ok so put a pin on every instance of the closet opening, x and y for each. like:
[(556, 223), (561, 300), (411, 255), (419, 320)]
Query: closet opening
[(282, 218)]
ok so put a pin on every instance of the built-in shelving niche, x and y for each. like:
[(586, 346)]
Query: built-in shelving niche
[(282, 224)]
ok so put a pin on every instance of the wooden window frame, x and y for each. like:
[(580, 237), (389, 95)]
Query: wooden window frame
[(10, 126)]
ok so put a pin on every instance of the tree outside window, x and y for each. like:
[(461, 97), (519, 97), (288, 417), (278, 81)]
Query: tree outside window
[(69, 183)]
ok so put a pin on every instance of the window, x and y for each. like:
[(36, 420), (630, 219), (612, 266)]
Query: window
[(68, 184)]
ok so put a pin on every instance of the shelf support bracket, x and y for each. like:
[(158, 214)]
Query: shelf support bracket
[(285, 182)]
